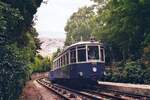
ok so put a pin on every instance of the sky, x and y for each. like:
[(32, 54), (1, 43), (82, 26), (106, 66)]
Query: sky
[(52, 17)]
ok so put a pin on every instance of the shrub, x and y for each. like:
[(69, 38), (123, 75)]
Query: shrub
[(133, 72), (129, 72), (40, 65), (13, 74)]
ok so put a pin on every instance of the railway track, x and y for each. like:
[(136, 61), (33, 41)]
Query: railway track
[(88, 94), (129, 95), (66, 93), (118, 95)]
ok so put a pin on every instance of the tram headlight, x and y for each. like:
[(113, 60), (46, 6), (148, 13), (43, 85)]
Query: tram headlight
[(81, 73), (105, 73), (94, 69)]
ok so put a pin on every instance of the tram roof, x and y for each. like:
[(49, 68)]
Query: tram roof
[(81, 43), (78, 43), (84, 42)]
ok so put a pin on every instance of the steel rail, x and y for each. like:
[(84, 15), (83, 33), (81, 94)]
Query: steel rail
[(138, 96), (66, 93), (52, 89), (96, 93)]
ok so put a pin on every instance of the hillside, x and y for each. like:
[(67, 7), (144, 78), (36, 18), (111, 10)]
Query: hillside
[(50, 45)]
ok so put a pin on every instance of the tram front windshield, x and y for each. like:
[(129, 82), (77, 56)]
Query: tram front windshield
[(93, 53)]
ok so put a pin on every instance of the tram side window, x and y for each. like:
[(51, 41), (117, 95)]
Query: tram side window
[(57, 63), (61, 61), (81, 53), (53, 65), (102, 54), (73, 55), (93, 53), (67, 58)]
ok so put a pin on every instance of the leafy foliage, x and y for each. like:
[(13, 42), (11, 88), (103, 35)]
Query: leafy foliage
[(13, 73), (40, 64), (79, 26), (133, 72), (18, 45), (124, 27), (129, 72), (55, 54)]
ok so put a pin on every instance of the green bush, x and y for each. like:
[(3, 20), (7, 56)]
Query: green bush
[(17, 45), (13, 73), (129, 72), (146, 75), (40, 64), (133, 72)]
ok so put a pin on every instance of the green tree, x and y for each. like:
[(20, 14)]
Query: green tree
[(79, 26), (124, 27), (55, 54), (18, 45), (40, 64)]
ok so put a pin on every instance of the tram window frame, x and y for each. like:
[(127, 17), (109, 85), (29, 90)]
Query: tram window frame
[(53, 65), (67, 58), (102, 53), (80, 56), (64, 59), (95, 57), (58, 62), (73, 55), (61, 61)]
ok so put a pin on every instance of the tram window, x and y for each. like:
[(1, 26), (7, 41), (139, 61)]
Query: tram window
[(93, 53), (81, 53), (73, 55), (67, 58), (102, 54), (53, 65), (61, 61), (57, 63), (64, 59)]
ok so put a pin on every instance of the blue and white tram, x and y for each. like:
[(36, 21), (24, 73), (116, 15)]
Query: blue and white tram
[(82, 60)]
